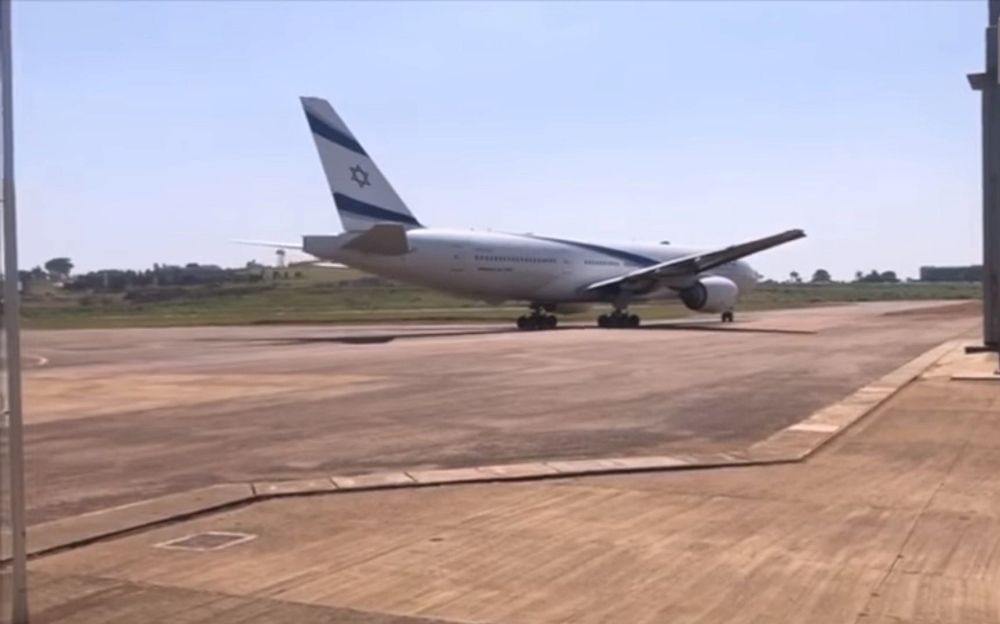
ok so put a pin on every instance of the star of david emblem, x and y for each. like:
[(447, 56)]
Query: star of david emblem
[(360, 176)]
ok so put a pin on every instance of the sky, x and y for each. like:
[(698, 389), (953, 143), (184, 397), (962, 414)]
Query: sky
[(158, 132)]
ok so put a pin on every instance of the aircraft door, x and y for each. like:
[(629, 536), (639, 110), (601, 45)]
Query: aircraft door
[(458, 258)]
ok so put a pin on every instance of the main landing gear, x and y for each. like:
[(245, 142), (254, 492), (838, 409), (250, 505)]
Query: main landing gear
[(538, 319), (728, 316), (618, 319)]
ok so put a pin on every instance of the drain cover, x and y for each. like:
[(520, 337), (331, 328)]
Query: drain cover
[(209, 540)]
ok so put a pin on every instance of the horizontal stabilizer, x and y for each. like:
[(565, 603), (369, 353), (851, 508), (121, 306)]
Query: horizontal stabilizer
[(320, 264), (269, 244)]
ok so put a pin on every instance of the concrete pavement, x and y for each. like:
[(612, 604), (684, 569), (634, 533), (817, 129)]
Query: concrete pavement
[(896, 520), (118, 416)]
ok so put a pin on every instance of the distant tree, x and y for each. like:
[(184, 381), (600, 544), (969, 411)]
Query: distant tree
[(876, 277), (38, 274), (872, 277), (795, 277), (59, 268), (821, 276)]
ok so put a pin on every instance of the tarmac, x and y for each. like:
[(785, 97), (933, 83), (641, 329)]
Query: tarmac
[(879, 505), (119, 416)]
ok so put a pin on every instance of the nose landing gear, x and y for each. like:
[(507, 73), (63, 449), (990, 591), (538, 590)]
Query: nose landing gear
[(728, 316)]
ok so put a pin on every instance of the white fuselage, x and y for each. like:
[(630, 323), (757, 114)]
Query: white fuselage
[(499, 267)]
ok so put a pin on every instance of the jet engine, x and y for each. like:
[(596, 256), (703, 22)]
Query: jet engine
[(711, 294)]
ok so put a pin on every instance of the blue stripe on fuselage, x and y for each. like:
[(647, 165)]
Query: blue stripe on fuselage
[(360, 208), (328, 132), (608, 251)]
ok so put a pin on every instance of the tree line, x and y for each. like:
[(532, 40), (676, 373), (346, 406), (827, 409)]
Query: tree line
[(59, 270), (56, 269), (117, 280), (822, 276)]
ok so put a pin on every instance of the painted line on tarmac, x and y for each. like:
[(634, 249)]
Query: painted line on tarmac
[(790, 445), (799, 441)]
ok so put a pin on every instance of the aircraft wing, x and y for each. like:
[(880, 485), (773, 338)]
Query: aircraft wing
[(687, 267)]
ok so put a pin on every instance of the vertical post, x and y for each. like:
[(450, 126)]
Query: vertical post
[(991, 205), (988, 84), (12, 334)]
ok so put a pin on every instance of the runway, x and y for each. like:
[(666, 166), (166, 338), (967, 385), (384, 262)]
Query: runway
[(896, 520), (115, 416)]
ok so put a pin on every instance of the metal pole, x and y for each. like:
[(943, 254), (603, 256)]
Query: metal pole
[(12, 333), (988, 84), (991, 209)]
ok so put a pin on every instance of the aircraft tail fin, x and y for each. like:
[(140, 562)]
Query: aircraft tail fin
[(361, 193)]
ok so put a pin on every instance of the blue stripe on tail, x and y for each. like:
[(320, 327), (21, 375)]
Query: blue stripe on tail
[(328, 132), (363, 209)]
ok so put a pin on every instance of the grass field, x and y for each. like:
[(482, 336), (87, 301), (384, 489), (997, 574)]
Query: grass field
[(347, 296)]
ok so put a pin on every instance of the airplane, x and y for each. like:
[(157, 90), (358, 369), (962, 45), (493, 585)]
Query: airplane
[(550, 274)]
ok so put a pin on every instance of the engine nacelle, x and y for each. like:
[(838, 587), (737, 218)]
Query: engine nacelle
[(711, 294)]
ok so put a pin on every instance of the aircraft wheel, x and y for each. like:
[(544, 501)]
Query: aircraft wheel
[(551, 321), (522, 322), (727, 317), (603, 321), (632, 320)]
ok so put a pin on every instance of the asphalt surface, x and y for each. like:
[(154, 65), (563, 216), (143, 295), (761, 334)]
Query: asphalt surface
[(895, 521), (115, 416)]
